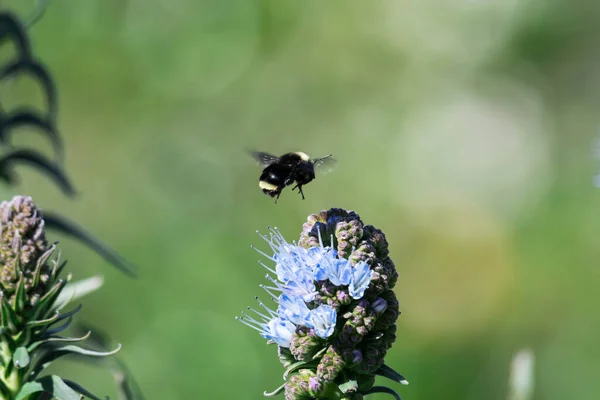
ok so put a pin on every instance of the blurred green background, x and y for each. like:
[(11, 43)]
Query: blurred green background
[(463, 129)]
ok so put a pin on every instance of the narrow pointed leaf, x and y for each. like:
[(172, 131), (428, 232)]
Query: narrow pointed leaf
[(69, 228), (9, 318), (383, 389), (10, 27), (40, 263), (69, 314), (295, 366), (43, 322), (59, 352), (51, 384), (40, 162), (390, 373), (21, 358), (57, 339), (80, 389), (28, 66), (7, 338), (320, 353), (275, 392), (86, 352), (20, 295), (30, 117), (76, 290), (60, 328), (128, 387), (49, 298)]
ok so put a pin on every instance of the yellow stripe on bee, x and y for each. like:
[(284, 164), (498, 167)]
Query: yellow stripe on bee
[(266, 185), (303, 156)]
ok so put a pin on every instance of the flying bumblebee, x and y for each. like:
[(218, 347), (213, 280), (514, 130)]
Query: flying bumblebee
[(283, 171)]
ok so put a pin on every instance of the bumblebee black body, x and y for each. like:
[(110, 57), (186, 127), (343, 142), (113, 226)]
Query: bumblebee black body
[(286, 170)]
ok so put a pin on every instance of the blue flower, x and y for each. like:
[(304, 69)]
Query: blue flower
[(317, 255), (300, 285), (337, 270), (293, 309), (361, 277), (322, 320), (269, 325), (279, 331)]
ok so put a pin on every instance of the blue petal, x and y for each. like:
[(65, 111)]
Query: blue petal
[(301, 285), (280, 331), (322, 319), (293, 309), (361, 277), (340, 272)]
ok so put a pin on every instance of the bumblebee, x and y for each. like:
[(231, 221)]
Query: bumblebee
[(290, 168)]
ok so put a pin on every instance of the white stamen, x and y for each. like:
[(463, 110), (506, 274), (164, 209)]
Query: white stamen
[(271, 270), (320, 238), (263, 253), (266, 318), (268, 290)]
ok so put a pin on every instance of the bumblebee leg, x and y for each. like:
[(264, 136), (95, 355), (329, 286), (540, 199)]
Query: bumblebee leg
[(300, 191), (277, 198)]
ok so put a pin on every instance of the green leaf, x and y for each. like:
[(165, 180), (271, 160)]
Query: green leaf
[(10, 320), (28, 389), (384, 389), (388, 372), (275, 392), (127, 386), (33, 158), (78, 289), (51, 384), (40, 263), (57, 339), (348, 387), (320, 353), (20, 294), (58, 329), (295, 366), (80, 389), (58, 352), (48, 299), (21, 358), (44, 322)]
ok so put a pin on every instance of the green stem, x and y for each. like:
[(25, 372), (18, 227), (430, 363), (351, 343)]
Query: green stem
[(10, 378)]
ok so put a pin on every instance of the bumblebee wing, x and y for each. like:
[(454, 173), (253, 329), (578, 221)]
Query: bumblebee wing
[(263, 159), (325, 164)]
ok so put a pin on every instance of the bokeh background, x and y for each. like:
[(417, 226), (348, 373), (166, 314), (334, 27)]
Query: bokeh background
[(464, 129)]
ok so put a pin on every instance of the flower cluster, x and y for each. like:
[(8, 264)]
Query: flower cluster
[(336, 310)]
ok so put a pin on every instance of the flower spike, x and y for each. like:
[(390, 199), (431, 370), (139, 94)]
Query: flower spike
[(336, 311)]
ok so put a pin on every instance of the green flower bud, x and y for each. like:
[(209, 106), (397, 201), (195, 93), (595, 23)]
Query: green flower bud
[(304, 385), (334, 296), (305, 344), (331, 365)]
